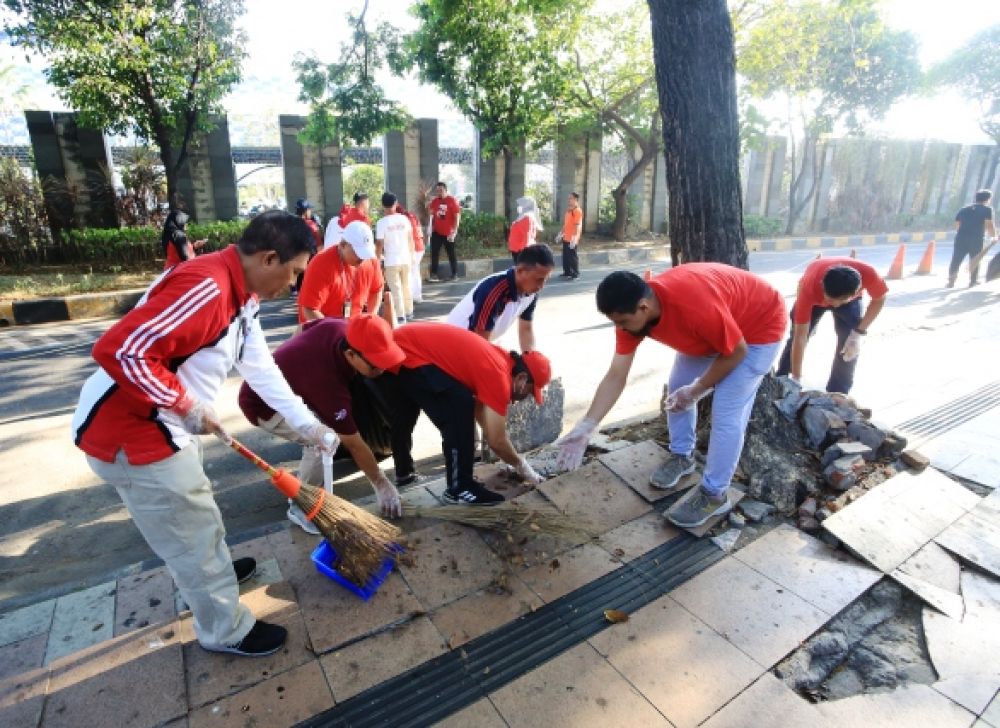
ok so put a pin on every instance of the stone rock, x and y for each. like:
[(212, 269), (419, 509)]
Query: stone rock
[(917, 461), (727, 540), (530, 425), (791, 403), (808, 523), (865, 412), (843, 473), (840, 449), (736, 519), (822, 426), (808, 507), (892, 446), (755, 510), (822, 514), (869, 434)]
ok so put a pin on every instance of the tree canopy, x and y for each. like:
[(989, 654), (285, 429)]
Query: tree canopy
[(975, 70), (153, 67), (347, 104)]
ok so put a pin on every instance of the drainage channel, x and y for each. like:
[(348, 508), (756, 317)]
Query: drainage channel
[(444, 685), (952, 414)]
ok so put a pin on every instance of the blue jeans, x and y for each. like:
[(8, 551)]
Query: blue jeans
[(845, 319), (731, 406)]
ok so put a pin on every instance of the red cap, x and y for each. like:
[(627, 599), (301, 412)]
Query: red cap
[(371, 336), (540, 369)]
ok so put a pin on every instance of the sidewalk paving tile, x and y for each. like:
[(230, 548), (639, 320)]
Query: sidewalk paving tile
[(942, 600), (935, 566), (578, 688), (133, 680), (483, 611), (446, 562), (278, 702), (268, 572), (523, 552), (982, 596), (824, 577), (259, 548), (214, 675), (678, 662), (333, 615), (19, 657), (22, 698), (26, 622), (480, 714), (911, 705), (973, 691), (82, 619), (979, 468), (269, 601), (144, 599), (992, 713), (757, 615), (964, 654), (975, 537), (640, 535), (571, 570), (635, 464), (767, 702), (596, 494), (357, 667)]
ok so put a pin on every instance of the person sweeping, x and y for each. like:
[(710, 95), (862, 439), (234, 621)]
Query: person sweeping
[(159, 370)]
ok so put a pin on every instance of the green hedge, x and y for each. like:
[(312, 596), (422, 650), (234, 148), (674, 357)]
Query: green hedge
[(140, 244), (758, 226)]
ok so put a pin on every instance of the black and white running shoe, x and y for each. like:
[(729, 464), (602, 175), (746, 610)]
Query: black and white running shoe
[(474, 494)]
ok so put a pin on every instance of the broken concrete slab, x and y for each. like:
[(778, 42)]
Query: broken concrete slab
[(843, 473), (911, 705), (636, 463), (840, 449), (976, 539), (941, 599), (822, 426), (755, 510), (963, 653), (982, 596), (933, 575), (867, 434)]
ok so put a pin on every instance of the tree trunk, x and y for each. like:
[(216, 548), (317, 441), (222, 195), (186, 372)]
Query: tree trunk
[(620, 193), (696, 78), (797, 202)]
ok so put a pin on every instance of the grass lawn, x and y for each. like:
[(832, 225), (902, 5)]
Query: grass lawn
[(19, 287)]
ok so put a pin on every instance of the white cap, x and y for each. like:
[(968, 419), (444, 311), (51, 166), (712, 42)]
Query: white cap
[(359, 237)]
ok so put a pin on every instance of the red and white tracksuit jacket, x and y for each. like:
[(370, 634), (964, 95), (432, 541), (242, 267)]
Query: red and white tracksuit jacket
[(193, 324)]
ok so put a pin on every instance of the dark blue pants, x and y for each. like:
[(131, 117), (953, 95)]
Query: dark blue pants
[(845, 319)]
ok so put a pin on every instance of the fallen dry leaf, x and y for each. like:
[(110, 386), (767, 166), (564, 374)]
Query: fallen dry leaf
[(554, 564), (615, 616), (619, 552), (534, 527)]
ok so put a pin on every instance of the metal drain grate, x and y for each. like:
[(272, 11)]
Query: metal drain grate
[(444, 685), (951, 415)]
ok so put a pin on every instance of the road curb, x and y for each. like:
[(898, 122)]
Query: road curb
[(93, 305)]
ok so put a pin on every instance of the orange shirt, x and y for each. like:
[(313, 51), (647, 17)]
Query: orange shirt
[(522, 234), (707, 308), (571, 221), (461, 354), (328, 283), (811, 285)]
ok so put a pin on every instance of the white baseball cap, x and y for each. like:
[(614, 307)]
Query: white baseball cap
[(359, 237)]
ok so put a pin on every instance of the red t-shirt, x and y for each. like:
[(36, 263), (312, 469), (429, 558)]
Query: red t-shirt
[(461, 354), (318, 348), (349, 214), (444, 214), (811, 285), (522, 234), (707, 308), (317, 233), (329, 282)]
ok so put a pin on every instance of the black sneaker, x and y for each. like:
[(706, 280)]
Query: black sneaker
[(245, 569), (262, 639), (407, 479), (474, 494)]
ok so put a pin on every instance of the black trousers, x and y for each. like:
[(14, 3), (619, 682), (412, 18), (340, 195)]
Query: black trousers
[(371, 414), (448, 403), (437, 240), (570, 260), (845, 319), (965, 248)]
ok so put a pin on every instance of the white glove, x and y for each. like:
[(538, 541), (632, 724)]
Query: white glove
[(852, 347), (527, 473), (686, 397), (387, 496), (197, 417), (321, 437), (574, 445)]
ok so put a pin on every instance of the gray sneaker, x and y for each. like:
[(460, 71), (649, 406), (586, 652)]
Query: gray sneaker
[(670, 473), (694, 511)]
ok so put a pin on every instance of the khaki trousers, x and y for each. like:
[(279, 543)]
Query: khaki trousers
[(171, 504)]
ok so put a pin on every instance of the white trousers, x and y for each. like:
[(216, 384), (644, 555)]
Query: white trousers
[(416, 281), (397, 277)]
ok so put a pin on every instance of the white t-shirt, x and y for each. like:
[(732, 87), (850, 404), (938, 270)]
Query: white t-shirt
[(392, 230)]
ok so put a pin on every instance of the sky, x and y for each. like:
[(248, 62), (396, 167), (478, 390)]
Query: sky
[(275, 35)]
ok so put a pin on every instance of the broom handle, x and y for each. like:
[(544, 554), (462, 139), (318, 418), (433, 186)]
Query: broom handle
[(251, 456), (973, 262)]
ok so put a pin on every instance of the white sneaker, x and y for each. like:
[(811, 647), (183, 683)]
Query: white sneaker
[(296, 516)]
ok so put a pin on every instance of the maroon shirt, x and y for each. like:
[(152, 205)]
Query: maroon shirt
[(315, 367)]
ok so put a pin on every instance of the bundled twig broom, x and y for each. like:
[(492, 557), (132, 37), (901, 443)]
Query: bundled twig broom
[(361, 539), (510, 518)]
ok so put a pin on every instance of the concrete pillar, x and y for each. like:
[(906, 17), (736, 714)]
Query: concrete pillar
[(578, 169), (430, 153), (489, 179), (220, 158), (195, 181), (755, 195), (776, 197), (49, 165), (309, 171), (411, 157)]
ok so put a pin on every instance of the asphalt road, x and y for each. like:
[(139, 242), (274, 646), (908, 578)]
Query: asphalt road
[(60, 527)]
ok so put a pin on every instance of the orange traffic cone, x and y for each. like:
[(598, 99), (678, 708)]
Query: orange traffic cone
[(854, 252), (896, 269), (924, 269), (648, 275)]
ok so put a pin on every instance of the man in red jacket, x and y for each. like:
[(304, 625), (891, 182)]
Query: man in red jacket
[(159, 370)]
